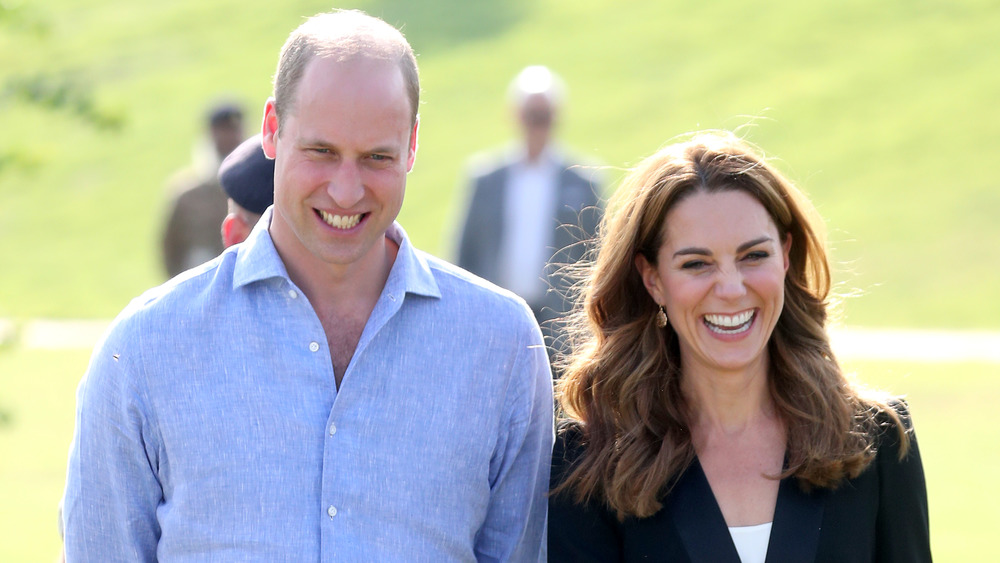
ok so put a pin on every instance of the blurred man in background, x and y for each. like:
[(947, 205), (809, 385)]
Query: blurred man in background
[(198, 205), (247, 177), (530, 208)]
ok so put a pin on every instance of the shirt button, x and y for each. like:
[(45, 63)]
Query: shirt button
[(314, 346), (332, 511), (333, 429), (293, 294)]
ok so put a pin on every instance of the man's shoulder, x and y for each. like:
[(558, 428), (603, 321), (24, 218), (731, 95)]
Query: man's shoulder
[(490, 162), (457, 283), (583, 172), (183, 294)]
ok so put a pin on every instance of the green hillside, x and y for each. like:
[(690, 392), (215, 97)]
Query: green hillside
[(884, 112)]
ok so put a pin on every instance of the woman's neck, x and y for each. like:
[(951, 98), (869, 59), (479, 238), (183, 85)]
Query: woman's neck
[(727, 402)]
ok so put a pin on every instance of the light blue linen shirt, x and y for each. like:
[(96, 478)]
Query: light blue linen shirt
[(209, 426)]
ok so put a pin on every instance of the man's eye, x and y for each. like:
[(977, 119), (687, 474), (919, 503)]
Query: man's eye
[(320, 151), (379, 157)]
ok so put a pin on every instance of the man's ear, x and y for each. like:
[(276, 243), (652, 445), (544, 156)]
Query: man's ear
[(412, 156), (269, 130), (234, 230)]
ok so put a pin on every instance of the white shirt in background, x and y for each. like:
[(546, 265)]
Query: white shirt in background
[(529, 217)]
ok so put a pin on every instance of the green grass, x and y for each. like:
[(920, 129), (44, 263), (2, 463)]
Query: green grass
[(956, 434), (37, 398), (884, 112)]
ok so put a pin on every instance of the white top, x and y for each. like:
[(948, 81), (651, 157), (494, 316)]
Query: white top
[(530, 224), (751, 541)]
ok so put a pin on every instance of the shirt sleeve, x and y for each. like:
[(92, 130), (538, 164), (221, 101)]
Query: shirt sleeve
[(112, 490), (902, 525), (514, 528)]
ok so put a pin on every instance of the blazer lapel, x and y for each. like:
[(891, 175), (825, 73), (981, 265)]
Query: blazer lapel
[(797, 520), (698, 520)]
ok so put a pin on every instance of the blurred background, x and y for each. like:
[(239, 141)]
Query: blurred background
[(885, 113)]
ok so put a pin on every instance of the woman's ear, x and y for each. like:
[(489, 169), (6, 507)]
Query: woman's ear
[(650, 278), (786, 248)]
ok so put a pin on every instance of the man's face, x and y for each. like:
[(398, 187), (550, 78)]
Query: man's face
[(537, 112), (227, 135), (341, 161), (537, 115)]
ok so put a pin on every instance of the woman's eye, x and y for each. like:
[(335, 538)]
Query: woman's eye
[(757, 255), (693, 265)]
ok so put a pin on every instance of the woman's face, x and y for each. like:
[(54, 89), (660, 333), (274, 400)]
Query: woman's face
[(720, 276)]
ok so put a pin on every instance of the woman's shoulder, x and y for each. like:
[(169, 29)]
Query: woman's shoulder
[(893, 439), (569, 444), (569, 447), (892, 421)]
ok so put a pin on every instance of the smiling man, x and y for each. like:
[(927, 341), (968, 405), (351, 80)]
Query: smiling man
[(323, 391)]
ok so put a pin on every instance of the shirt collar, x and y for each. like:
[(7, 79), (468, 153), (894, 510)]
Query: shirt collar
[(410, 273), (551, 156), (257, 259)]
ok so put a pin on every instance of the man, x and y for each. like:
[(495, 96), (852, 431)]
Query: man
[(531, 208), (191, 235), (322, 391), (247, 177)]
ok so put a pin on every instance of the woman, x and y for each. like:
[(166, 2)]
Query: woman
[(706, 416)]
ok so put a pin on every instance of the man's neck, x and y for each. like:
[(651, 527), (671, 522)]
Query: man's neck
[(345, 288), (331, 287), (535, 150), (343, 297)]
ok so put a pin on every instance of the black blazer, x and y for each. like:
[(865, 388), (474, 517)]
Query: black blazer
[(880, 516)]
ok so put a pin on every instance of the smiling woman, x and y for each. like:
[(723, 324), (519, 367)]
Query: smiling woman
[(719, 275), (705, 415)]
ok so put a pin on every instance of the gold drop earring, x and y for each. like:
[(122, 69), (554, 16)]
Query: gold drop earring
[(661, 318)]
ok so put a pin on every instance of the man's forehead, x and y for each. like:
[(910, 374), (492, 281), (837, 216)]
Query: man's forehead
[(359, 77)]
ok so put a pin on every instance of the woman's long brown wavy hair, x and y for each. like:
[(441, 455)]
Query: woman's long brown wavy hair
[(622, 383)]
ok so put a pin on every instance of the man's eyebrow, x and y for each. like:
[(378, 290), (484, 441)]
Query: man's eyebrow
[(385, 150), (314, 143)]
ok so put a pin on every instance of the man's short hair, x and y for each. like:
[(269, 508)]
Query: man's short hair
[(342, 35), (224, 113)]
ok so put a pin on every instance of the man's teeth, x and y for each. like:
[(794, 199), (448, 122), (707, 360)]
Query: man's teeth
[(729, 323), (340, 221)]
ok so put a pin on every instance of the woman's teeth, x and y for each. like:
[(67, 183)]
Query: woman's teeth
[(728, 324)]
